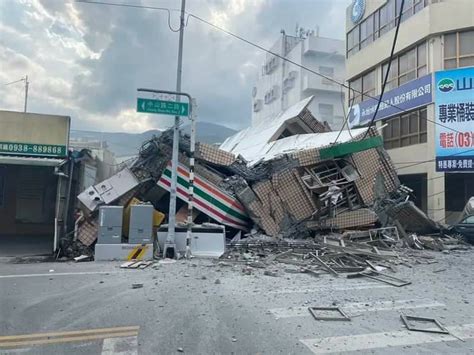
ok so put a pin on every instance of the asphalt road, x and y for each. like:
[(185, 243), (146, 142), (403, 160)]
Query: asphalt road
[(92, 308)]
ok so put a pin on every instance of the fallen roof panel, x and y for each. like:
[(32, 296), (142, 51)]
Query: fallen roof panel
[(251, 140), (302, 142)]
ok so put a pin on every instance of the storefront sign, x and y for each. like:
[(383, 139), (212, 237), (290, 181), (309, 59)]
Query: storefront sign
[(36, 135), (32, 149), (409, 96), (358, 10), (455, 117)]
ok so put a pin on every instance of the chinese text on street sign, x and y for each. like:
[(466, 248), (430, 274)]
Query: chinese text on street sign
[(162, 107), (455, 118)]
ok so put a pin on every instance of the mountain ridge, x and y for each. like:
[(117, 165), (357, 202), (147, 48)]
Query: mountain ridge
[(125, 144)]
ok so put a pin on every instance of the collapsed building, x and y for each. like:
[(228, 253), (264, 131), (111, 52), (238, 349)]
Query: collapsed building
[(289, 176)]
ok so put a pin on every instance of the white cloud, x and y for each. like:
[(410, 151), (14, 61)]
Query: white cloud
[(87, 60)]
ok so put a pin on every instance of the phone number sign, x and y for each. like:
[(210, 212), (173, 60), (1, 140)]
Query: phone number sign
[(454, 105), (41, 150)]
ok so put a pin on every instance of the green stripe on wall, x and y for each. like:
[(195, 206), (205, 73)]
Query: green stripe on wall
[(342, 149), (208, 198)]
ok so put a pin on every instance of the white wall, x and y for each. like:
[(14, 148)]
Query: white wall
[(313, 59), (445, 16)]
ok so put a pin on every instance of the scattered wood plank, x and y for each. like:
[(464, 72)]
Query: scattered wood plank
[(324, 265)]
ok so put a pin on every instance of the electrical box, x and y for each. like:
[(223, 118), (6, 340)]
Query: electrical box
[(110, 225), (108, 190), (116, 186), (90, 198), (141, 224)]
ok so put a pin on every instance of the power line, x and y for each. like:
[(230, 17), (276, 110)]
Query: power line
[(127, 5), (301, 66), (14, 82), (137, 7), (312, 71), (388, 69), (265, 50)]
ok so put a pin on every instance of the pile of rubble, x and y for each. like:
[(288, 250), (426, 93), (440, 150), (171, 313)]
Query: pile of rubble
[(353, 254), (289, 177)]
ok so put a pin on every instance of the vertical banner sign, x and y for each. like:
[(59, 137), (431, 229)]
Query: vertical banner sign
[(454, 104)]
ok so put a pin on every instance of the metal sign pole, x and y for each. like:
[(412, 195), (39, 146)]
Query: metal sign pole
[(26, 93), (169, 249), (191, 179)]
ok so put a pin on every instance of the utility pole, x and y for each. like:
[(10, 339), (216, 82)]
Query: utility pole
[(26, 92), (27, 83), (170, 246)]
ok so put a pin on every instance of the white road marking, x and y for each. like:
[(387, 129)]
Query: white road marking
[(120, 346), (51, 274), (328, 288), (14, 351), (363, 342), (360, 307)]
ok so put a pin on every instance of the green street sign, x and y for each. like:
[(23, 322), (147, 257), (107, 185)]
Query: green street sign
[(162, 107)]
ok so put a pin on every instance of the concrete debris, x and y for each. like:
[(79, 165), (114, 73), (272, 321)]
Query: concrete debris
[(136, 264), (71, 249), (285, 179), (353, 254), (247, 270), (270, 273), (83, 258)]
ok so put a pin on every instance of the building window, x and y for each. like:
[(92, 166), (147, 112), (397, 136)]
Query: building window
[(328, 72), (407, 66), (353, 41), (3, 177), (380, 22), (367, 31), (355, 90), (368, 85), (459, 49), (405, 130), (365, 84)]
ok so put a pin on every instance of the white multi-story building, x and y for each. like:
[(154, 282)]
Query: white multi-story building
[(281, 84), (435, 47)]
